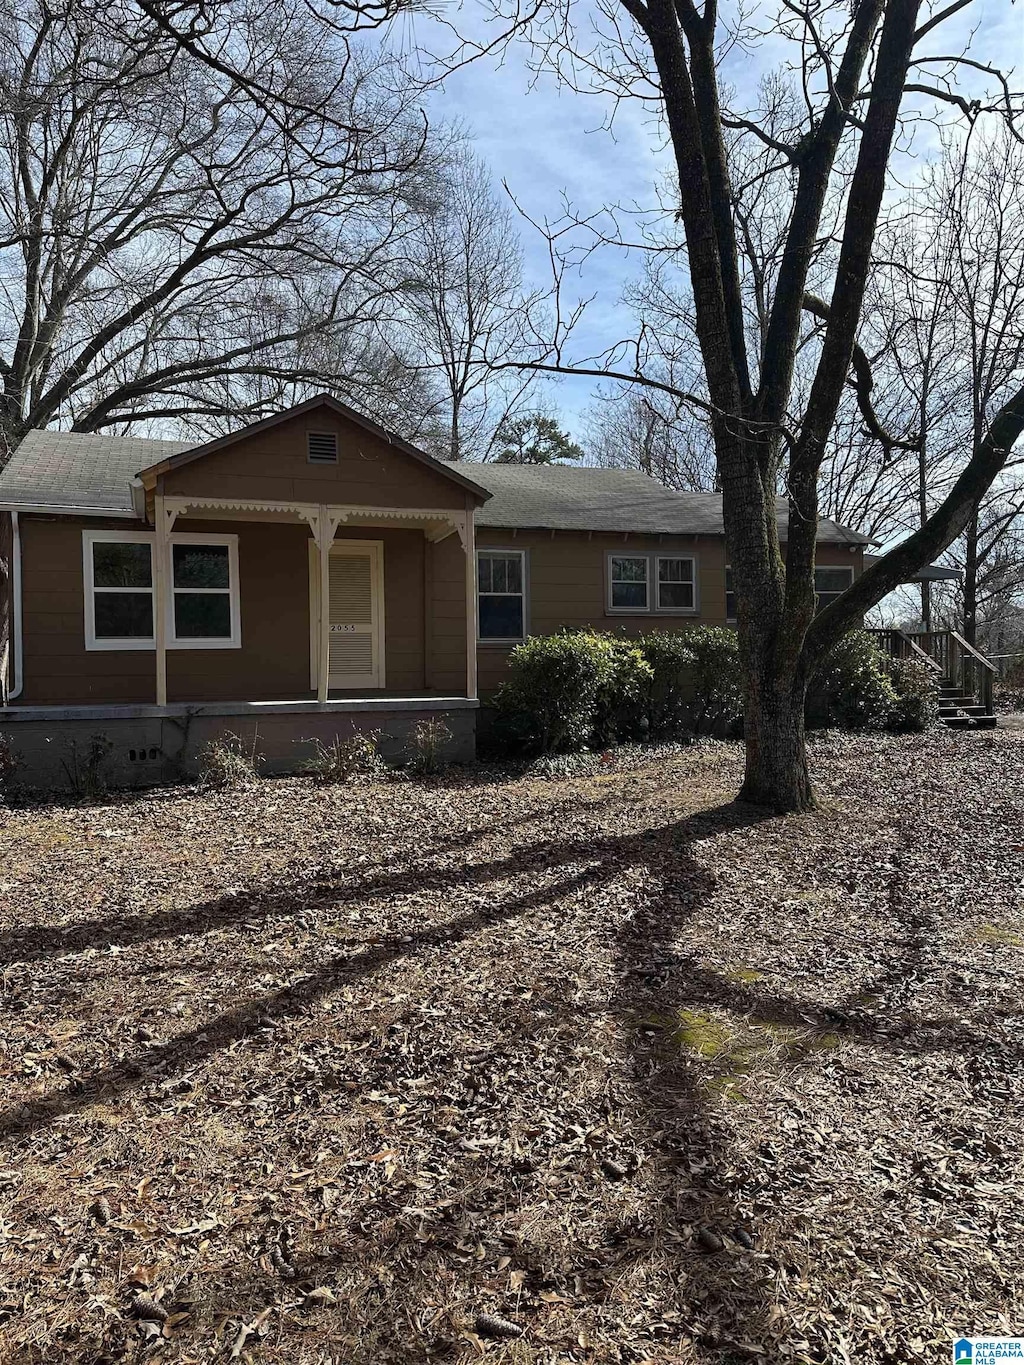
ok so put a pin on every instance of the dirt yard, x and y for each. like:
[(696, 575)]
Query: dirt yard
[(390, 1073)]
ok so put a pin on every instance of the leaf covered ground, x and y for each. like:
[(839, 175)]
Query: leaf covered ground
[(389, 1072)]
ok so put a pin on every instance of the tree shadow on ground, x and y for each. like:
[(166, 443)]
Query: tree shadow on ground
[(723, 1294), (35, 942)]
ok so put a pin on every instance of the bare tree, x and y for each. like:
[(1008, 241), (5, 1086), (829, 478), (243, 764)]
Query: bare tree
[(856, 67), (632, 428), (174, 245), (944, 322), (464, 294)]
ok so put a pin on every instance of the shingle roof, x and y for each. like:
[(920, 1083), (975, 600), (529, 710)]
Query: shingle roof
[(581, 498), (931, 573), (76, 470)]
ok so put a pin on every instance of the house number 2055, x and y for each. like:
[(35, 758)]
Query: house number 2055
[(343, 630)]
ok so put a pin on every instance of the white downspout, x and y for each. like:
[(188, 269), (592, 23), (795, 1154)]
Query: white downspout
[(16, 614)]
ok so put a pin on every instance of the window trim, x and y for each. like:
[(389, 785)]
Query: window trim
[(849, 569), (656, 607), (653, 558), (610, 607), (232, 641), (94, 644), (501, 552)]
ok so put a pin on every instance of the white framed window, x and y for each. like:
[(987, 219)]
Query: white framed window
[(203, 582), (656, 583), (501, 595), (202, 603), (830, 582), (629, 583), (677, 587), (118, 573), (730, 595)]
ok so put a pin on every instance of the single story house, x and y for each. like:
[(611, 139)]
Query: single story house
[(312, 573)]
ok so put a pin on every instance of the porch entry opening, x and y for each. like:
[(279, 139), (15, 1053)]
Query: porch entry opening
[(355, 614)]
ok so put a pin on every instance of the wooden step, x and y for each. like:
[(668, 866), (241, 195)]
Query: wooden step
[(977, 719)]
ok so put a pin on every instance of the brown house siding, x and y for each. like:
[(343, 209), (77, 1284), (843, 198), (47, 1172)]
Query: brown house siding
[(273, 661), (273, 465), (446, 605), (567, 583)]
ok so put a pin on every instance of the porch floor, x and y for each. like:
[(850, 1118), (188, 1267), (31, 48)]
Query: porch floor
[(418, 701)]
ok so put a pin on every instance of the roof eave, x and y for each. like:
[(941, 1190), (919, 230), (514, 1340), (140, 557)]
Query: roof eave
[(66, 509)]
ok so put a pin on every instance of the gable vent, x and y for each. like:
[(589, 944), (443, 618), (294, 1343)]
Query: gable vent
[(322, 447)]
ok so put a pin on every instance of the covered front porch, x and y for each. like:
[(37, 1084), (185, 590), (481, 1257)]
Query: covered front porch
[(332, 601)]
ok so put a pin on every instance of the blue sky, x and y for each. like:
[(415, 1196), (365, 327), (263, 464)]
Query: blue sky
[(546, 143)]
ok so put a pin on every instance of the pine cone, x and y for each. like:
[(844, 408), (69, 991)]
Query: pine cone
[(146, 1307), (488, 1325)]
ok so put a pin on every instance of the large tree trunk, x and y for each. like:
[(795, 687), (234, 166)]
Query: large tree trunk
[(776, 773), (971, 582)]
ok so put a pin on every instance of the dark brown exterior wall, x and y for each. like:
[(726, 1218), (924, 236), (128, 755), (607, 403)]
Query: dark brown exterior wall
[(58, 669), (273, 662), (445, 590), (566, 575), (272, 465)]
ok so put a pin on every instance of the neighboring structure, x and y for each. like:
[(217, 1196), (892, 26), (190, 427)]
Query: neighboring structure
[(311, 574)]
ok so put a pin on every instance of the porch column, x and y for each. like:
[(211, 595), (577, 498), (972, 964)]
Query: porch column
[(160, 594), (324, 536), (469, 543)]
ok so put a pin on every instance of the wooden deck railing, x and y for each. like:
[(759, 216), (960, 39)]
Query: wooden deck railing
[(946, 651), (978, 672)]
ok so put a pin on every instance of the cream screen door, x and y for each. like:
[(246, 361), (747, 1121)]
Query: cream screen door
[(355, 614)]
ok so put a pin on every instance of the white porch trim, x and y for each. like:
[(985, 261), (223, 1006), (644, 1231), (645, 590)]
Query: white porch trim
[(437, 522), (160, 567)]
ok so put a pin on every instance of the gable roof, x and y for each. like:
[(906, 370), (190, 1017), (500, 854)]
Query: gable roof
[(321, 400), (581, 498)]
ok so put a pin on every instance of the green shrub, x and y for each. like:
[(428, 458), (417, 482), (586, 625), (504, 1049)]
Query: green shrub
[(621, 710), (580, 687), (427, 743), (226, 762), (917, 695), (854, 684), (715, 675), (340, 760), (670, 694), (550, 701)]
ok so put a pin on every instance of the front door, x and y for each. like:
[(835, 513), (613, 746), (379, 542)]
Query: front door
[(355, 614)]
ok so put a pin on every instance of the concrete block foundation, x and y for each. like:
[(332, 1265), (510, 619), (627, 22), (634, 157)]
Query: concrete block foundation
[(144, 746)]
